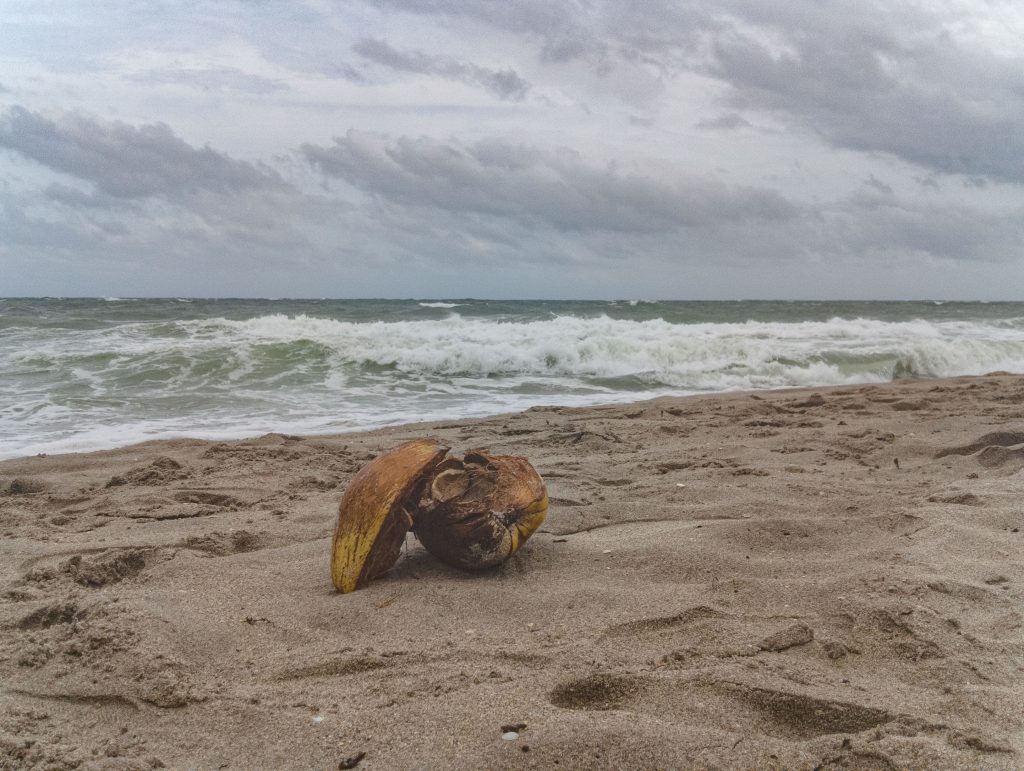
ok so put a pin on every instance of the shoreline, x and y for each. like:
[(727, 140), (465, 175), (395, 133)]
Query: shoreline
[(799, 577), (427, 424)]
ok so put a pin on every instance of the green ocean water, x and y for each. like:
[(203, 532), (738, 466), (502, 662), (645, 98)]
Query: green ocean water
[(85, 374)]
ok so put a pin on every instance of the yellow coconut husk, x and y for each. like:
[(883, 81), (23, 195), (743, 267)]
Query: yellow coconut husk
[(374, 516)]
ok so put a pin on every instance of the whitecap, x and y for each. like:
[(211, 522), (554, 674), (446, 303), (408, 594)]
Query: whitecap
[(219, 377)]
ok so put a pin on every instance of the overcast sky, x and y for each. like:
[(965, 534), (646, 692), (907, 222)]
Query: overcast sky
[(513, 148)]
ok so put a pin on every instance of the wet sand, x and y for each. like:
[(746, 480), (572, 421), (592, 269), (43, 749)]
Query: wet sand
[(828, 578)]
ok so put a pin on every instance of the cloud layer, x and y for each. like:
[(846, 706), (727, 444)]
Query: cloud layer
[(555, 148), (555, 188), (124, 161), (504, 84)]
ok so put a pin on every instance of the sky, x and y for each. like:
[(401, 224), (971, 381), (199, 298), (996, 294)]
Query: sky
[(655, 149)]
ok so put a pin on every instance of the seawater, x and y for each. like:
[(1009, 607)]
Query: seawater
[(86, 374)]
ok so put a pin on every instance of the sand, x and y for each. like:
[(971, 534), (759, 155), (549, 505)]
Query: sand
[(826, 578)]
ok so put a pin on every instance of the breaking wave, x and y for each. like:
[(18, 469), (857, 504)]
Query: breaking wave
[(85, 383), (696, 357)]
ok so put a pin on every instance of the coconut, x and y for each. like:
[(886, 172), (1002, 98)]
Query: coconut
[(471, 513)]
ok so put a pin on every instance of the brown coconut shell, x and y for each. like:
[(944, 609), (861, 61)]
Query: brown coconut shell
[(375, 512), (477, 512)]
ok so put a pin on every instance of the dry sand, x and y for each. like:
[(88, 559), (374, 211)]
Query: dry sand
[(795, 579)]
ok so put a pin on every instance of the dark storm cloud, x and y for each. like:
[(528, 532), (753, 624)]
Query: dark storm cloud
[(557, 188), (128, 162), (505, 84), (872, 77)]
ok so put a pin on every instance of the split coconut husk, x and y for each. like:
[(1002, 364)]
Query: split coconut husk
[(373, 517), (472, 513)]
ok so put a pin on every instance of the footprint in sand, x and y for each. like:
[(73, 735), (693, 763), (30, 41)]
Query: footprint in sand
[(767, 711), (997, 457), (220, 544), (997, 439), (960, 499), (644, 625), (159, 472), (596, 692), (799, 716), (109, 566)]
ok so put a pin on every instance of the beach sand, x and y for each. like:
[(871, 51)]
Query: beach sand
[(828, 578)]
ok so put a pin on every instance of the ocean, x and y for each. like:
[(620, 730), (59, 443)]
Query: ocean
[(88, 374)]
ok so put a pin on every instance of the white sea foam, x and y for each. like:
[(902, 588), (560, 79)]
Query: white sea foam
[(694, 356), (440, 305), (83, 388)]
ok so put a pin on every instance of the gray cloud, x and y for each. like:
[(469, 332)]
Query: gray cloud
[(505, 84), (882, 226), (872, 77), (730, 122), (565, 30), (492, 201), (557, 22), (211, 79), (80, 199), (878, 185), (251, 242), (147, 207), (882, 81), (557, 188), (127, 162)]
